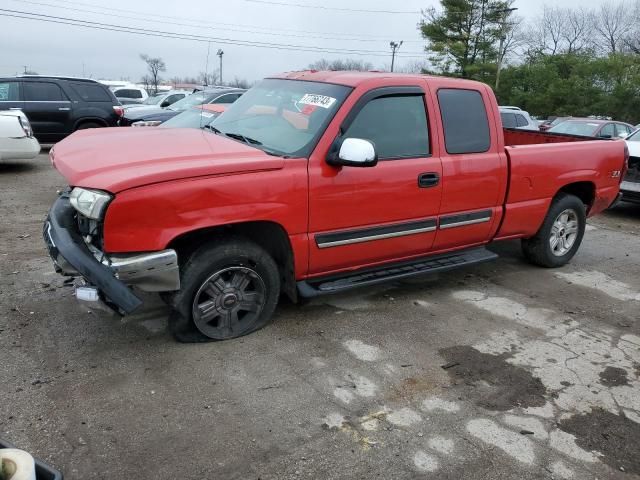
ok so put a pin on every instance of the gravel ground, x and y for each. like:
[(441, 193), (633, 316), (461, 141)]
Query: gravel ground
[(498, 371)]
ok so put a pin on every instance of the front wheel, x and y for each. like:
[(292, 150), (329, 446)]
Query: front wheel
[(561, 234), (229, 289)]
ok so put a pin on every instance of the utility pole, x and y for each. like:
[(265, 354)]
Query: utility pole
[(394, 48), (503, 36), (206, 65), (220, 54), (25, 69)]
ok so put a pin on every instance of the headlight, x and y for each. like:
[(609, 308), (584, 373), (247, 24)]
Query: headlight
[(150, 123), (90, 203)]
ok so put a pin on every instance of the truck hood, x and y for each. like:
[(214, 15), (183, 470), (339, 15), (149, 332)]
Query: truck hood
[(116, 159)]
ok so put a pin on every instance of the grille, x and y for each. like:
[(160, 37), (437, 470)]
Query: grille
[(89, 228)]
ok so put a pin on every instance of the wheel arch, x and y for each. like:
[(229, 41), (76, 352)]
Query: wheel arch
[(83, 120), (269, 235), (584, 190)]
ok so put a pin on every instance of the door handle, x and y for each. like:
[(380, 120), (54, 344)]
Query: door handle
[(429, 179), (15, 108), (64, 109)]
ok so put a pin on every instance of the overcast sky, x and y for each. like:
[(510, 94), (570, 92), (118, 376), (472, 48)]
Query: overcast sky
[(50, 48)]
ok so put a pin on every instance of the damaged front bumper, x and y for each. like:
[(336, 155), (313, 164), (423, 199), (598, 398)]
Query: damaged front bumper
[(110, 276)]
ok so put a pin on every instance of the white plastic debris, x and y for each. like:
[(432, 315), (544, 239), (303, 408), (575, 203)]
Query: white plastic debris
[(17, 464)]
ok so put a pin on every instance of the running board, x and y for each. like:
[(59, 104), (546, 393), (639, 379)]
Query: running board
[(397, 271)]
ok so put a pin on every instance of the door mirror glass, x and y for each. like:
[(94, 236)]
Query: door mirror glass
[(355, 152), (165, 103)]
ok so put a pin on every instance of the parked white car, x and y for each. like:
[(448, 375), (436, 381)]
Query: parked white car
[(630, 186), (130, 94), (515, 117), (16, 136)]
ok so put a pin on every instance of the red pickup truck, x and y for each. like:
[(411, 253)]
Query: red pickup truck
[(313, 183)]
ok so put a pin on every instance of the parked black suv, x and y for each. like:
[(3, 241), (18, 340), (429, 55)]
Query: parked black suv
[(58, 106)]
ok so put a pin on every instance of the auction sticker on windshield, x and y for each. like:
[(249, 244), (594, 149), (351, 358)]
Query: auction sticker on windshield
[(317, 100)]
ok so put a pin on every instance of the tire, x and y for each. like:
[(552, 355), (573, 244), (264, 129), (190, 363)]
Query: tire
[(561, 234), (228, 289), (85, 125)]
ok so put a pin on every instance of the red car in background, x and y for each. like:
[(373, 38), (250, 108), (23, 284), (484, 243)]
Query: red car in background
[(588, 127)]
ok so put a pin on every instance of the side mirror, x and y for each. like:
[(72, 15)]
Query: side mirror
[(165, 103), (354, 152)]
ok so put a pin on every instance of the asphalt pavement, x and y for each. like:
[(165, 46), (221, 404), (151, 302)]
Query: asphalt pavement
[(498, 371)]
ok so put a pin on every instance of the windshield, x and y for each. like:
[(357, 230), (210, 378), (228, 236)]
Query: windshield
[(634, 137), (192, 100), (285, 117), (586, 129), (155, 100), (192, 118)]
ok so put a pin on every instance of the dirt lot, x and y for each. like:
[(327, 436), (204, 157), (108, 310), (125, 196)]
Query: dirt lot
[(498, 371)]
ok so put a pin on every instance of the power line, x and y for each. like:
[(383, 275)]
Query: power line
[(278, 31), (339, 9), (173, 23), (178, 36)]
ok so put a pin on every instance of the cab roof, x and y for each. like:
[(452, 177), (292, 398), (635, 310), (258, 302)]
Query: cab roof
[(348, 78)]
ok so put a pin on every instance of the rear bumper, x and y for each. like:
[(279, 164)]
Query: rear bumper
[(630, 191), (24, 148), (111, 276)]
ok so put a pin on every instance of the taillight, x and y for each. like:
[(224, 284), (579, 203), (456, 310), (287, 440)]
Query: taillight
[(26, 126), (119, 110)]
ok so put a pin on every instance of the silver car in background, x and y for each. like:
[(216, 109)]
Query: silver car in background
[(515, 117)]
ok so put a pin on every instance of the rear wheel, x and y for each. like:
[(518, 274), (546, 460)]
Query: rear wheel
[(229, 289), (561, 234)]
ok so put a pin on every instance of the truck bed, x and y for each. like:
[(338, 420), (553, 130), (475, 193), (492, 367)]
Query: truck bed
[(541, 163), (514, 137)]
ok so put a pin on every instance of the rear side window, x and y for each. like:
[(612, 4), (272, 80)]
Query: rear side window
[(128, 93), (608, 131), (397, 126), (42, 92), (465, 121), (508, 120), (226, 99), (91, 93), (521, 121), (9, 92)]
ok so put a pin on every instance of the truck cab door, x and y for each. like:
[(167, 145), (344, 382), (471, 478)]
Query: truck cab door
[(48, 110), (474, 169), (360, 217)]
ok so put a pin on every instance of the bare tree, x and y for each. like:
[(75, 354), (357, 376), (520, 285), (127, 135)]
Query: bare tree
[(578, 29), (239, 83), (561, 30), (414, 66), (210, 78), (154, 66), (346, 64), (632, 40), (514, 40), (613, 23), (147, 81)]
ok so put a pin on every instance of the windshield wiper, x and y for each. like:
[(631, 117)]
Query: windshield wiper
[(247, 140), (213, 129)]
